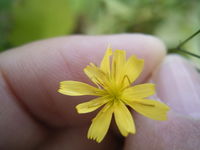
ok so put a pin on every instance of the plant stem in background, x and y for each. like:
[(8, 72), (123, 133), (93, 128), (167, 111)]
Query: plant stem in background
[(189, 38), (179, 49), (175, 50)]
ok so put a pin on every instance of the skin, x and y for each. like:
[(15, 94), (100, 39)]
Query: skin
[(33, 115)]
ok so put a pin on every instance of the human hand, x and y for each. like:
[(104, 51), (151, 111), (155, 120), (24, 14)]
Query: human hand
[(35, 116)]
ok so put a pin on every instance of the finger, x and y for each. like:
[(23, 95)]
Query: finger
[(178, 133), (178, 84), (17, 129), (35, 70), (75, 139)]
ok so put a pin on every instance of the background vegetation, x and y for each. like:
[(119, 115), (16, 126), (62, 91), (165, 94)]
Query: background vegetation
[(23, 21)]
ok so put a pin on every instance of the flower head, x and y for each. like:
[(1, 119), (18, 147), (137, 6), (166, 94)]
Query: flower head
[(114, 92)]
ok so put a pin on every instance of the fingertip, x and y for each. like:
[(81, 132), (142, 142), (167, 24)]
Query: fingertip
[(178, 85)]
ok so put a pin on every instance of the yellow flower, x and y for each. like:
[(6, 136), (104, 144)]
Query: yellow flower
[(114, 91)]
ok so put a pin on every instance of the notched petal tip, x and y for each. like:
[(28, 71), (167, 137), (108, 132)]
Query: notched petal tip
[(78, 109), (100, 124), (124, 119), (105, 63), (129, 132), (60, 91)]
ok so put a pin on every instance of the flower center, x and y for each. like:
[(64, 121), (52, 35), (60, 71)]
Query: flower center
[(115, 93)]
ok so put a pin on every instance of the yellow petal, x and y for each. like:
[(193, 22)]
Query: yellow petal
[(150, 108), (139, 91), (133, 69), (100, 124), (91, 105), (105, 63), (123, 119), (118, 64), (96, 75), (75, 88)]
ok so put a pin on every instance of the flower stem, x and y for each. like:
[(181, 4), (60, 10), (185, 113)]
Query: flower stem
[(179, 49), (187, 39), (176, 50)]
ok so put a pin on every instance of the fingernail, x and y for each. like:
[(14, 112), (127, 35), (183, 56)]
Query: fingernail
[(178, 85)]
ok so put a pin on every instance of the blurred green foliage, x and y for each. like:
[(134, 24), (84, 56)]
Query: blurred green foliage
[(23, 21), (5, 23), (37, 19)]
